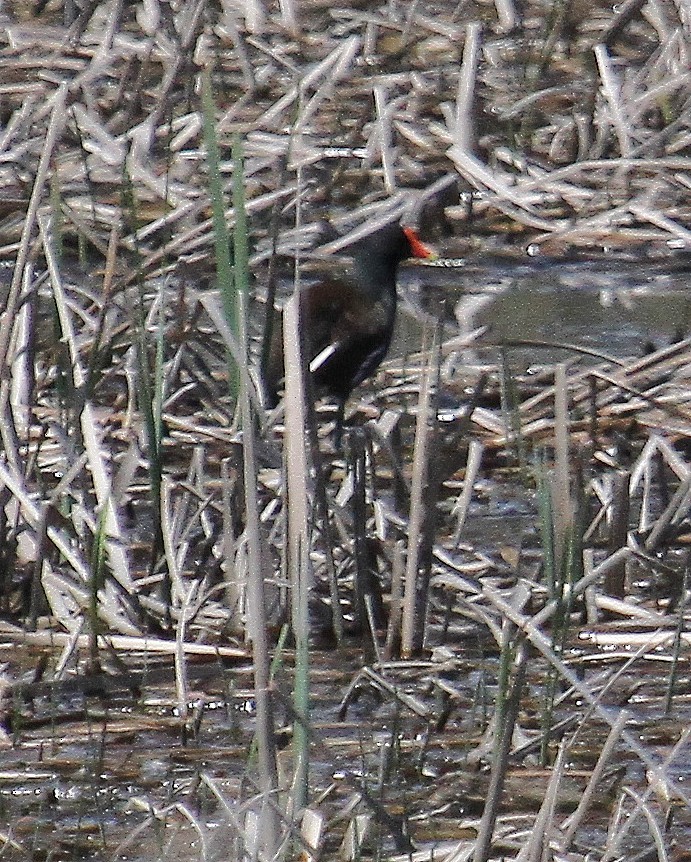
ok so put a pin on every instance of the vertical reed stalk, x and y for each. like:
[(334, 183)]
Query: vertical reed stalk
[(394, 627), (148, 387), (358, 500), (430, 496), (237, 303), (298, 538), (410, 626), (224, 270), (561, 496), (97, 581), (508, 704)]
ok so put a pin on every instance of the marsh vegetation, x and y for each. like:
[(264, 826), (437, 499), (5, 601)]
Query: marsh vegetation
[(462, 635)]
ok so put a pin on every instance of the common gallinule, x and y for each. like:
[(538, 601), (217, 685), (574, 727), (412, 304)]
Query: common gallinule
[(347, 322)]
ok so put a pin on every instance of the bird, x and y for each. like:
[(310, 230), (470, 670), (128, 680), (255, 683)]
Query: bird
[(347, 322)]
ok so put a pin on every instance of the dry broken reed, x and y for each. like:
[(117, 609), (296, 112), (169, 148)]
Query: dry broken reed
[(504, 127)]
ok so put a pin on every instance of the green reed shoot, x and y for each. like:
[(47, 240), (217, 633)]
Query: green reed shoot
[(230, 279)]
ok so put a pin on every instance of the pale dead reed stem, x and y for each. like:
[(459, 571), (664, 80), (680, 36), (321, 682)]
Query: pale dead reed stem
[(289, 17), (342, 60), (462, 505), (298, 534), (601, 571), (506, 13), (537, 846), (655, 831), (118, 643), (211, 305), (230, 25), (392, 822), (23, 376), (410, 623), (662, 221), (181, 681), (384, 138), (431, 493), (55, 126), (659, 786), (463, 132), (573, 821), (589, 167), (256, 608), (530, 627), (189, 32), (41, 545), (101, 58), (235, 588), (666, 406), (511, 196), (90, 426), (323, 70), (612, 93), (674, 512)]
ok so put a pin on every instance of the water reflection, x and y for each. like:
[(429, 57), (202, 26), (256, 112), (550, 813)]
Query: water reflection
[(617, 307)]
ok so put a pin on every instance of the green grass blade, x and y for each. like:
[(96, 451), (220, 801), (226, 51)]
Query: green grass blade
[(226, 278)]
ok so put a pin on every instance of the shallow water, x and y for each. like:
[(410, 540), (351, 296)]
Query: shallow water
[(619, 307)]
